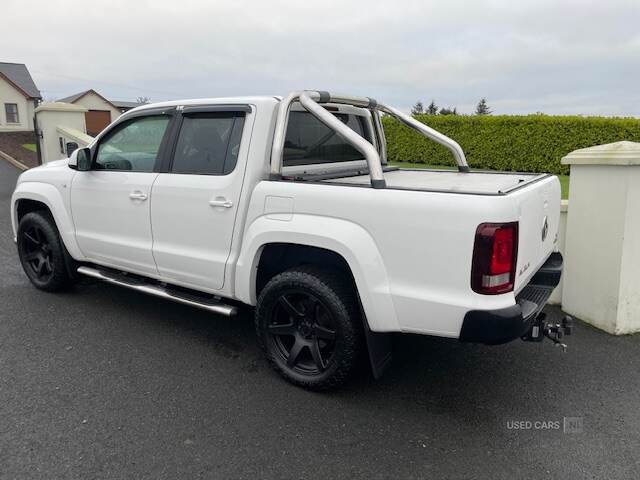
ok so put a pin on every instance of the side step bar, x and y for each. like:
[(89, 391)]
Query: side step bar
[(159, 291)]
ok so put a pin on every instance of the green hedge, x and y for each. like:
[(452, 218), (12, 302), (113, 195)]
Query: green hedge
[(532, 143)]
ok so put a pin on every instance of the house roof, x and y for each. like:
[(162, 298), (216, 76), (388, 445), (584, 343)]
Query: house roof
[(73, 98), (117, 104), (125, 104), (18, 75)]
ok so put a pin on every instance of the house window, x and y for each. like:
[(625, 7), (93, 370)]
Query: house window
[(11, 109)]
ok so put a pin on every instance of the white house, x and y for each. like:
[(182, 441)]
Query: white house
[(100, 111), (19, 97)]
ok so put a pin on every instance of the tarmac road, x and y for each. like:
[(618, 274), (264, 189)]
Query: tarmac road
[(102, 382)]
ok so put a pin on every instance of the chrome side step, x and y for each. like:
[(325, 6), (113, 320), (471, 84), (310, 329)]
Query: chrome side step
[(159, 291)]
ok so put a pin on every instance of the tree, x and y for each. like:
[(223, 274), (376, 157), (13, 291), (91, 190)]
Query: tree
[(143, 100), (418, 108), (432, 109), (448, 111), (483, 108)]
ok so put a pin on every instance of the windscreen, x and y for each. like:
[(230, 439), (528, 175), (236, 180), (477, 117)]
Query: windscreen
[(309, 141)]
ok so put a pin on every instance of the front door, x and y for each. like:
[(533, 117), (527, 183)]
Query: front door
[(110, 203), (196, 200)]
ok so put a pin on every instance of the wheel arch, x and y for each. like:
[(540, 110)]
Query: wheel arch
[(342, 243), (27, 205), (275, 258), (34, 196)]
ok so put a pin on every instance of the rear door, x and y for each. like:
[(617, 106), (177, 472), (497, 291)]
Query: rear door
[(110, 203), (195, 198)]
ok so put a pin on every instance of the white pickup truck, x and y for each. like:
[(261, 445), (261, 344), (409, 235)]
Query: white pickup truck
[(288, 205)]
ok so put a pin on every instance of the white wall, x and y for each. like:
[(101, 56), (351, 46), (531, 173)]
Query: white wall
[(602, 264), (50, 117), (9, 94), (91, 101)]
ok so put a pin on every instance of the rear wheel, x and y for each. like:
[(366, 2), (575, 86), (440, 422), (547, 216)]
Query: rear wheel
[(309, 327), (42, 254)]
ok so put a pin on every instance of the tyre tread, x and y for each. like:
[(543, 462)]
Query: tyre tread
[(340, 292), (61, 279)]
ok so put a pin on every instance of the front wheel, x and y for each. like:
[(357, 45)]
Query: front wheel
[(42, 254), (309, 326)]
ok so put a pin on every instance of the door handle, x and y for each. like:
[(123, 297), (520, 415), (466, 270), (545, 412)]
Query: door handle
[(221, 203), (137, 195)]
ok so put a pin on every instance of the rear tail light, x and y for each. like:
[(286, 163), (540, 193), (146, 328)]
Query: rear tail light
[(493, 269)]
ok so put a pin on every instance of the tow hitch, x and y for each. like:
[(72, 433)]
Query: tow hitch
[(553, 331)]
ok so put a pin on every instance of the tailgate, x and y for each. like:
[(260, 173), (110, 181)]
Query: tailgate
[(539, 215)]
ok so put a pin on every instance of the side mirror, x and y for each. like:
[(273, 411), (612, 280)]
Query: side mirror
[(80, 160)]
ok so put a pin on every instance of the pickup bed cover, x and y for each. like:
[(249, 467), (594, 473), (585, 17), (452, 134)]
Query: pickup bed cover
[(477, 182)]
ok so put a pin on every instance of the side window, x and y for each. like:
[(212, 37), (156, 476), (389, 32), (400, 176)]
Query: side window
[(309, 141), (208, 143), (132, 145), (11, 111)]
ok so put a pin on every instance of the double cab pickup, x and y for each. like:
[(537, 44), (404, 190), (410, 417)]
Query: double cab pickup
[(288, 205)]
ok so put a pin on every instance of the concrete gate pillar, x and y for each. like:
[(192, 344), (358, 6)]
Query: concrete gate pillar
[(601, 278)]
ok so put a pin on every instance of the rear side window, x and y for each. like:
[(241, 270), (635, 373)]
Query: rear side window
[(208, 143), (309, 141)]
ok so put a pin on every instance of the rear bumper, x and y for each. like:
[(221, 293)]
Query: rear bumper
[(493, 327)]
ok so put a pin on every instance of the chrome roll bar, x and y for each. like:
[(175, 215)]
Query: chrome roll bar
[(431, 134), (311, 100), (382, 140), (359, 143)]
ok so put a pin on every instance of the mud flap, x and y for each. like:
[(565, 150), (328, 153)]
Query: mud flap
[(379, 349)]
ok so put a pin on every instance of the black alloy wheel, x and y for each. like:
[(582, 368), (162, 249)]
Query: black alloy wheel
[(44, 258), (36, 250), (303, 332), (309, 326)]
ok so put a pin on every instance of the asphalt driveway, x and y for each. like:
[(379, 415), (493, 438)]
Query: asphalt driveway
[(102, 382)]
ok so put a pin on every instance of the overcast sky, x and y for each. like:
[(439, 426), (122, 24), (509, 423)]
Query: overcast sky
[(557, 57)]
